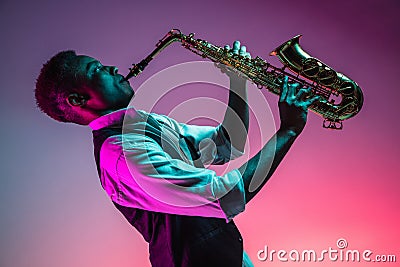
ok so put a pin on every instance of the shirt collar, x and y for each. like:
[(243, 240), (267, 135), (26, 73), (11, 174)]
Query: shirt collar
[(115, 118)]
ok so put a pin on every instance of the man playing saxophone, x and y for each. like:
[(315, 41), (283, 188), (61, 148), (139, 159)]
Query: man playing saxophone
[(79, 89)]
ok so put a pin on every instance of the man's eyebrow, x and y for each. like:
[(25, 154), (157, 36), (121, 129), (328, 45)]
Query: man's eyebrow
[(90, 65)]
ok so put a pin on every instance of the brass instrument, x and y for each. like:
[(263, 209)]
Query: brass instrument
[(306, 70)]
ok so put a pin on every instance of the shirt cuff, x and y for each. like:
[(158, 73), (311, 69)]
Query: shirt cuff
[(229, 190)]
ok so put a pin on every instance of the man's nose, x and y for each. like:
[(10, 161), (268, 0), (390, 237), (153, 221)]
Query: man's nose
[(113, 70)]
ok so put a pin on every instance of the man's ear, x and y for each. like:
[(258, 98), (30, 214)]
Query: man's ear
[(75, 99)]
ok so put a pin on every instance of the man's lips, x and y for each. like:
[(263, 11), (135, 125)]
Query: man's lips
[(123, 80)]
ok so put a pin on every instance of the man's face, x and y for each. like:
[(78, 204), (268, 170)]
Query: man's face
[(105, 89)]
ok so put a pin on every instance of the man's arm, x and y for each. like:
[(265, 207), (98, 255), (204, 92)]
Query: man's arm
[(236, 119), (293, 114)]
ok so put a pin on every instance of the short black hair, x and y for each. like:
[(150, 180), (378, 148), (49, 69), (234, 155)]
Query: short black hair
[(53, 86)]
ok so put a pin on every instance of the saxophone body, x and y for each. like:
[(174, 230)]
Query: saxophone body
[(340, 97)]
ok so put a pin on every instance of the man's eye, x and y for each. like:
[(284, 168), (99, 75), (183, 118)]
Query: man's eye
[(98, 68)]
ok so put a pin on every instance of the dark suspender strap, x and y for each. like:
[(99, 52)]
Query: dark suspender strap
[(99, 136)]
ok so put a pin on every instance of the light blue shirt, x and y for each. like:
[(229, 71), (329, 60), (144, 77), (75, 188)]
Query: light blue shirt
[(139, 172)]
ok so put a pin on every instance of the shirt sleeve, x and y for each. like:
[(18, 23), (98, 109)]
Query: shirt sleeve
[(211, 143), (150, 179)]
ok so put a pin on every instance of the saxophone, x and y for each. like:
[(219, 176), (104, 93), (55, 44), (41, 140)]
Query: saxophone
[(340, 97)]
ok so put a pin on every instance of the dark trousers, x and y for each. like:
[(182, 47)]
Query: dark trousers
[(176, 240)]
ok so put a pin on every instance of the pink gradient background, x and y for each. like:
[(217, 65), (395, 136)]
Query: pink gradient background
[(331, 185)]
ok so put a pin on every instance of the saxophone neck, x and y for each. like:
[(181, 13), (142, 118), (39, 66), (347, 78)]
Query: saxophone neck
[(172, 36)]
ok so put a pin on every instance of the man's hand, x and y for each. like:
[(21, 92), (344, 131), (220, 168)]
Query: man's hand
[(293, 107), (234, 75)]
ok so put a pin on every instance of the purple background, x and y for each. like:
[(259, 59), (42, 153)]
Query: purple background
[(331, 185)]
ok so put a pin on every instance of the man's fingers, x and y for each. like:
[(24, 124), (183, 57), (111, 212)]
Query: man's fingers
[(284, 91), (239, 50), (303, 92), (311, 100), (292, 90), (242, 51), (236, 47)]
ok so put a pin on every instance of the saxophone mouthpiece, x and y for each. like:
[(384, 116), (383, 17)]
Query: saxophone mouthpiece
[(128, 76), (134, 71)]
